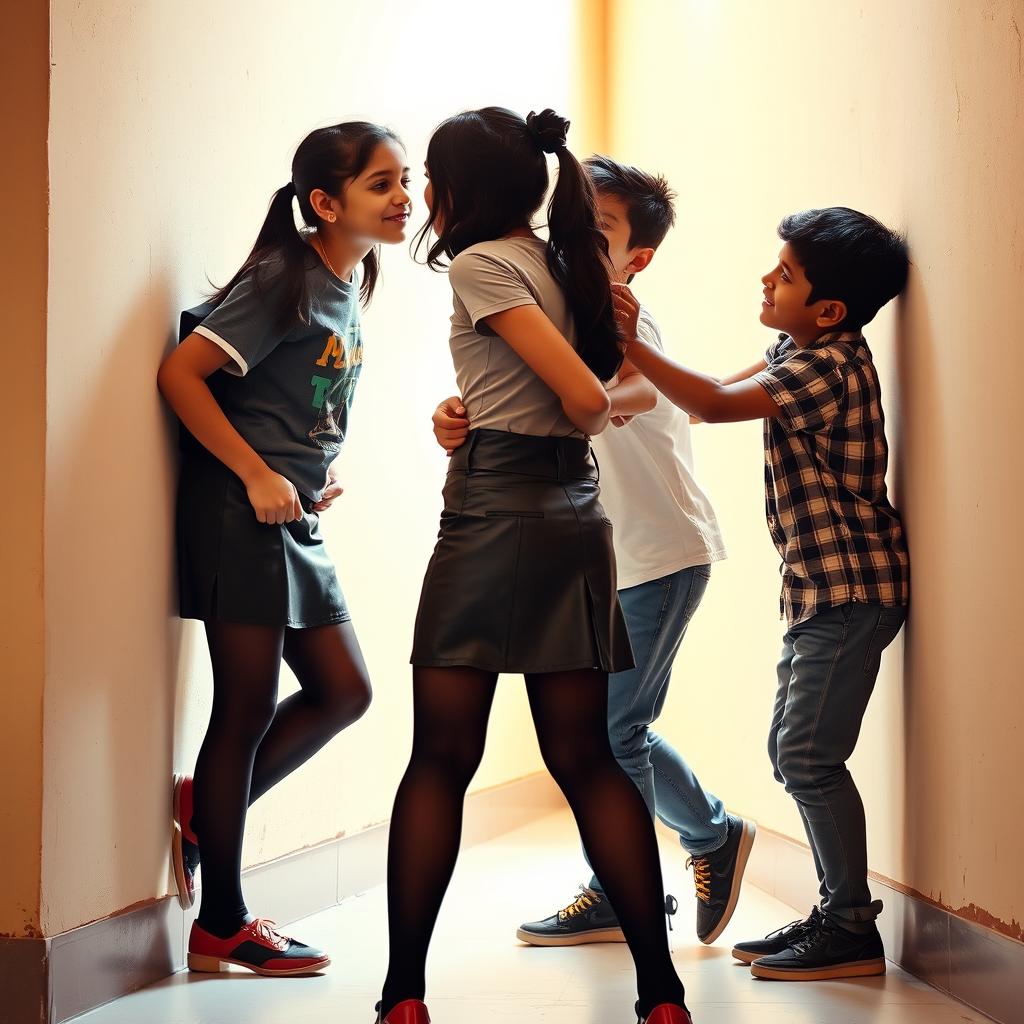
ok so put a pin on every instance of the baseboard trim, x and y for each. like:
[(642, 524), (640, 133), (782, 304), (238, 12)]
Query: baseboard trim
[(49, 981), (976, 965)]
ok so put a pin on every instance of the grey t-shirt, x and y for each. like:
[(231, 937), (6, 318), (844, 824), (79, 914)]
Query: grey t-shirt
[(498, 389), (288, 387)]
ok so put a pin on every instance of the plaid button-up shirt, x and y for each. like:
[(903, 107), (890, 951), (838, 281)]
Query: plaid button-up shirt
[(826, 455)]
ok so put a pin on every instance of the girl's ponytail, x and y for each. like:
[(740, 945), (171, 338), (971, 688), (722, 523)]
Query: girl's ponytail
[(277, 237), (575, 248)]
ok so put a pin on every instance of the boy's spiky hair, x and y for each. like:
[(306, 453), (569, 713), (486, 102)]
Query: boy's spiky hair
[(648, 199)]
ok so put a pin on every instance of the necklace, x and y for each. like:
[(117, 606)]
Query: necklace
[(323, 252)]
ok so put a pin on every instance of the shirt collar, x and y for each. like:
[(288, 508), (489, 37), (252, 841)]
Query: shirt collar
[(851, 338)]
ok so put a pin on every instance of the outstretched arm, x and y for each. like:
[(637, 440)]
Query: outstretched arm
[(706, 397)]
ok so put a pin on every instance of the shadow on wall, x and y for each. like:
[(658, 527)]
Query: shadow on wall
[(920, 469)]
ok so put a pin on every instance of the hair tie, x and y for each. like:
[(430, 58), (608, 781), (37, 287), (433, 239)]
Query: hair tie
[(548, 130)]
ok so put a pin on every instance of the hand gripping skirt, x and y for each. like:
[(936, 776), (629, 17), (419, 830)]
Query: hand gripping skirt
[(523, 575), (233, 568)]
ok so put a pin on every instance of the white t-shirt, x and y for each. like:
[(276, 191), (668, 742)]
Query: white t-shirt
[(663, 522)]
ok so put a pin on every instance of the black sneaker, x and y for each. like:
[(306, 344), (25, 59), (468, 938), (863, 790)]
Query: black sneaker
[(776, 941), (827, 950), (589, 918), (718, 876)]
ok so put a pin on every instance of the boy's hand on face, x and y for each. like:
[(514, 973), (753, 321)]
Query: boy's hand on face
[(450, 424), (627, 313)]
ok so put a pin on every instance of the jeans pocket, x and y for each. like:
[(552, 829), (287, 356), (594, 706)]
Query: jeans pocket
[(890, 622)]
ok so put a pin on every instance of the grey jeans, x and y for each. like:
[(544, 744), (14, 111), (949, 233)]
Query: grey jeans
[(826, 675)]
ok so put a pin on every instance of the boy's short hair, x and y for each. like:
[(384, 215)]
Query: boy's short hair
[(850, 257), (647, 198)]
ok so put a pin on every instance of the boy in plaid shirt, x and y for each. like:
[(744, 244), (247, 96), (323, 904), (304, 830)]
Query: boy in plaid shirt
[(845, 570)]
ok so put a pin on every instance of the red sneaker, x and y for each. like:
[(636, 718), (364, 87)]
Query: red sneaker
[(666, 1013), (258, 947), (184, 844), (408, 1011)]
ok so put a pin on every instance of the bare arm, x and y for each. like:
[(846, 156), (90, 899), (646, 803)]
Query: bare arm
[(747, 373), (182, 381), (542, 347), (703, 396), (633, 395)]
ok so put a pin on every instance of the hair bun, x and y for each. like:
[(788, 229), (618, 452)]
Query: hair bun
[(548, 129)]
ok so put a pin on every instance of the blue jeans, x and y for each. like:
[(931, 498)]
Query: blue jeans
[(657, 614), (828, 669)]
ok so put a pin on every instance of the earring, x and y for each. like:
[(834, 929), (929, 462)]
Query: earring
[(331, 217)]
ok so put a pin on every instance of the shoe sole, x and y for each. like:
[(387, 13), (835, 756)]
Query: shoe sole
[(213, 965), (746, 958), (742, 855), (859, 969), (579, 939), (186, 900)]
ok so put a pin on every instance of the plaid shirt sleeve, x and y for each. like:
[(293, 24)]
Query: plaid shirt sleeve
[(809, 387)]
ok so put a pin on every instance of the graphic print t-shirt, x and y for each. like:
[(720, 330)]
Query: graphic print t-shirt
[(288, 387)]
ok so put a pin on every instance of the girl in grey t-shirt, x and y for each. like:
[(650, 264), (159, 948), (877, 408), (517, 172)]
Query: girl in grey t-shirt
[(262, 382), (522, 579)]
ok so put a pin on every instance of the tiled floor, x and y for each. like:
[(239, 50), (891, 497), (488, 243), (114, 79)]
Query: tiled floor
[(479, 972)]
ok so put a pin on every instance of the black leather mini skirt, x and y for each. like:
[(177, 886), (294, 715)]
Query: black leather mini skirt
[(522, 578), (233, 568)]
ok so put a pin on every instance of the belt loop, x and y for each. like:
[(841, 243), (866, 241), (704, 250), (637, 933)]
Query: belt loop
[(593, 455), (560, 452)]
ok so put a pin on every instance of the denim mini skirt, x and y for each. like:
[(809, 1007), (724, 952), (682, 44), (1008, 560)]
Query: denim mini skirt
[(522, 578), (233, 568)]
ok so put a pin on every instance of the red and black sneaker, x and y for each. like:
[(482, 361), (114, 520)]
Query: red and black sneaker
[(184, 844), (258, 947), (408, 1011)]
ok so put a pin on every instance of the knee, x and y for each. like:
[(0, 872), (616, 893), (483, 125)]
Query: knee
[(790, 768), (576, 762), (348, 702), (804, 770), (250, 722), (629, 744), (773, 756), (354, 702), (452, 757)]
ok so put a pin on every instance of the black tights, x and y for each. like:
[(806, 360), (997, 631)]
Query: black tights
[(570, 713), (253, 741)]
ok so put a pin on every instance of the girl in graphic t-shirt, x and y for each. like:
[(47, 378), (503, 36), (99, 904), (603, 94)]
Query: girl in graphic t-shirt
[(523, 575), (262, 383)]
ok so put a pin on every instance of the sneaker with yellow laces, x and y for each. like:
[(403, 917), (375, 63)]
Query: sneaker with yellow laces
[(718, 876), (589, 918)]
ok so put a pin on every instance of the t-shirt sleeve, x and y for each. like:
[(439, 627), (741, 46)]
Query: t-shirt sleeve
[(247, 324), (486, 284), (808, 386), (647, 330)]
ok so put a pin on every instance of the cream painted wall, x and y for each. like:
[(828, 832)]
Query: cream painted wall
[(23, 186), (170, 127), (911, 111)]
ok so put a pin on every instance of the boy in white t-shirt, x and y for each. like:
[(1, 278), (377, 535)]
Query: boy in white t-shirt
[(666, 537)]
